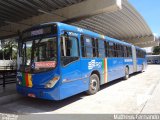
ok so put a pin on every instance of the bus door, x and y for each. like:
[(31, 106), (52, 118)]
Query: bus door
[(70, 65), (134, 59)]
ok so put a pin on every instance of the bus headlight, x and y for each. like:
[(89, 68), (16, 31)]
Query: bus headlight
[(52, 82)]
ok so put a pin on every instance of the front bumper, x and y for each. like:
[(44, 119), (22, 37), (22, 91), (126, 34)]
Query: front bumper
[(42, 93)]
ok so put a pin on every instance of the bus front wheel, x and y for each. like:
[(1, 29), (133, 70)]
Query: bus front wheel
[(126, 73), (93, 84)]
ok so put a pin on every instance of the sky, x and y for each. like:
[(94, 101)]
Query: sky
[(150, 10)]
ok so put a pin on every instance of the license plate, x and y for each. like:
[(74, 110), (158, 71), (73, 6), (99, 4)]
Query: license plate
[(31, 95)]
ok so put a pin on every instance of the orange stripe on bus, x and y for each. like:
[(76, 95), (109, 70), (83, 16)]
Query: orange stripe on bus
[(30, 80), (105, 70)]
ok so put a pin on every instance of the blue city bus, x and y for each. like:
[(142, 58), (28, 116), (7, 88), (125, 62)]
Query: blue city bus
[(56, 61)]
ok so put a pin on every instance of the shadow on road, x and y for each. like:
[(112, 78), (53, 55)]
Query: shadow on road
[(27, 105)]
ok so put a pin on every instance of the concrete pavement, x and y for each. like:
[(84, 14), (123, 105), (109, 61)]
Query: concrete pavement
[(138, 95)]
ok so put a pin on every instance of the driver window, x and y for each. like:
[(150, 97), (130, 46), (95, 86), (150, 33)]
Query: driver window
[(69, 50)]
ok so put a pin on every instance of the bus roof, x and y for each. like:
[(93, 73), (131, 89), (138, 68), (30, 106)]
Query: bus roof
[(88, 32), (85, 32)]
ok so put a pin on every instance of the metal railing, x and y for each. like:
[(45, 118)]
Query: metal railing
[(7, 75)]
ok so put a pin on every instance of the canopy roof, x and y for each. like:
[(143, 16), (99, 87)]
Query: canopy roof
[(114, 18)]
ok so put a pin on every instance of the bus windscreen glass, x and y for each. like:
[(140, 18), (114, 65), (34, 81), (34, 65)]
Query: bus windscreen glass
[(39, 55)]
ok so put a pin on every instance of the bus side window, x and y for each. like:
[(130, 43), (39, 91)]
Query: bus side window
[(115, 50), (125, 51), (127, 48), (122, 50), (129, 52), (95, 47), (111, 53), (69, 50), (101, 49), (119, 50), (83, 47), (136, 53), (86, 46), (112, 48), (106, 44)]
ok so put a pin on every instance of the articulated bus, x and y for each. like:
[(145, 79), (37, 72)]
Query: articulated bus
[(56, 61)]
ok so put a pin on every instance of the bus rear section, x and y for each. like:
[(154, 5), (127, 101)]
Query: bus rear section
[(141, 59)]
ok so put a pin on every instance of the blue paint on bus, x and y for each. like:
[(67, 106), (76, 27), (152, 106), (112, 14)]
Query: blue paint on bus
[(71, 74)]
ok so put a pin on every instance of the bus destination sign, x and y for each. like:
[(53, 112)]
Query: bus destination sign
[(37, 32), (46, 30)]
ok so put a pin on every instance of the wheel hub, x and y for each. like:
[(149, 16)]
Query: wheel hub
[(93, 84)]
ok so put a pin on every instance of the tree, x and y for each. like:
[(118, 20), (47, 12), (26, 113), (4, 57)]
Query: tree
[(10, 49), (156, 50)]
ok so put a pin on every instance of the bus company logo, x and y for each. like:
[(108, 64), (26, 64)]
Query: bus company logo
[(128, 60), (93, 64)]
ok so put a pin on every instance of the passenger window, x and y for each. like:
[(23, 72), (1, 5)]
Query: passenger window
[(101, 49), (125, 51), (111, 49), (86, 44), (95, 47), (69, 50), (92, 47), (89, 52), (106, 48)]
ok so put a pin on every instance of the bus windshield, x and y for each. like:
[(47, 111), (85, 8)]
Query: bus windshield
[(39, 55)]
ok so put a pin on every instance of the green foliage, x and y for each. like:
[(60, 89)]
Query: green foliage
[(156, 50), (9, 51), (28, 53)]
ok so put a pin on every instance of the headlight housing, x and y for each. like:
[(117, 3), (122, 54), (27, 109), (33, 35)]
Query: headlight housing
[(52, 82)]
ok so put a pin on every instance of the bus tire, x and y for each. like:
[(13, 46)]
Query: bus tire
[(93, 84), (126, 73)]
